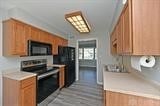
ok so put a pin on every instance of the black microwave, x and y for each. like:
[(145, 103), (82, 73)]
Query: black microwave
[(38, 48)]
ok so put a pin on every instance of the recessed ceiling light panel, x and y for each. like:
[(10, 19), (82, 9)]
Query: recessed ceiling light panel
[(77, 20)]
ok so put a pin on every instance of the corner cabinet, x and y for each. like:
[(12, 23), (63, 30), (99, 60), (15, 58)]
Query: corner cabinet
[(19, 93), (16, 35), (121, 99), (138, 28)]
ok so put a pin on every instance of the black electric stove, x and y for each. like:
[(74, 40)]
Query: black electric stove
[(47, 77)]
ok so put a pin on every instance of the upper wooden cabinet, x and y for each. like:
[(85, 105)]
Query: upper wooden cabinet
[(113, 42), (126, 30), (35, 34), (58, 41), (119, 36), (64, 42), (16, 35), (139, 32), (15, 38)]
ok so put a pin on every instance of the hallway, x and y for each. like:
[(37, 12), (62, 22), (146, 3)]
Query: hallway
[(84, 92), (87, 74)]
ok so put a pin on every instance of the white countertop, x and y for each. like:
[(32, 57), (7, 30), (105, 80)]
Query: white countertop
[(129, 84), (16, 74), (56, 65), (19, 75)]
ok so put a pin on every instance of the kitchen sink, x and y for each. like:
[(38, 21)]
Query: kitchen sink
[(115, 68)]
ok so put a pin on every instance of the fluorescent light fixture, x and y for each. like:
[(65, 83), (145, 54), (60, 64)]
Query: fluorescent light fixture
[(78, 22)]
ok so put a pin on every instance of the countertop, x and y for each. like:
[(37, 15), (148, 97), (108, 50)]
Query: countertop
[(129, 84), (16, 74), (19, 75), (56, 65)]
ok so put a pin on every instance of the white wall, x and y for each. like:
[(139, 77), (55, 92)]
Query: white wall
[(14, 62), (103, 49)]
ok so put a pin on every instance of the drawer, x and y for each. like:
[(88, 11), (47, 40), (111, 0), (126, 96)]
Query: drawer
[(28, 81)]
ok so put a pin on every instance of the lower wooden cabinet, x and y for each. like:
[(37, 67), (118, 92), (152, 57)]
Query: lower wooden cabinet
[(19, 93), (120, 99), (62, 77)]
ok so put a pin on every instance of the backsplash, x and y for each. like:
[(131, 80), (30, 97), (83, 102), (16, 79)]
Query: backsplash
[(14, 62)]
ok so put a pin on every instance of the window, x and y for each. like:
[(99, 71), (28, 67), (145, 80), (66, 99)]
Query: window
[(80, 53), (88, 53), (95, 53)]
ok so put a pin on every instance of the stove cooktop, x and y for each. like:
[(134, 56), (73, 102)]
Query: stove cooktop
[(41, 70)]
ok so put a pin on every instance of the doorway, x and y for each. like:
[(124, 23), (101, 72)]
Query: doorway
[(87, 60)]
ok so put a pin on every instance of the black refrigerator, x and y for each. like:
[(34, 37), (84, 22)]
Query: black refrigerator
[(66, 56)]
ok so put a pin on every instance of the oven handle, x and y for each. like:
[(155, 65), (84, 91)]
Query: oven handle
[(47, 74)]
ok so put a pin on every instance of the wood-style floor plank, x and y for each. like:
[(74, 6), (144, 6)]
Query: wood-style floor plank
[(79, 94)]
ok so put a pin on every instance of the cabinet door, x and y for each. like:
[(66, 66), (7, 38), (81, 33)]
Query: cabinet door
[(50, 39), (21, 31), (61, 78), (35, 34), (127, 35), (54, 45), (59, 41), (65, 42), (28, 95), (43, 36), (113, 43), (120, 36), (146, 27)]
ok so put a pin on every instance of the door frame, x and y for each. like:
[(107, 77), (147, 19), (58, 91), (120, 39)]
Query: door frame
[(77, 58)]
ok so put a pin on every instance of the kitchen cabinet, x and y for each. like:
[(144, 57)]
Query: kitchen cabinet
[(55, 45), (61, 77), (58, 41), (45, 37), (120, 99), (35, 34), (127, 36), (16, 35), (15, 38), (139, 24), (19, 92), (64, 42), (120, 36), (113, 42)]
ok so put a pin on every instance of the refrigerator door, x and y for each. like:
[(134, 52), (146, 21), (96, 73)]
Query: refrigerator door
[(63, 54), (67, 57), (72, 54)]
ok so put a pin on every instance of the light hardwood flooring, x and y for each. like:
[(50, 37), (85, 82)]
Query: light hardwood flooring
[(79, 94), (84, 92)]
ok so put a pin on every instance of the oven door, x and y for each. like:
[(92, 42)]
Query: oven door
[(37, 48), (46, 86)]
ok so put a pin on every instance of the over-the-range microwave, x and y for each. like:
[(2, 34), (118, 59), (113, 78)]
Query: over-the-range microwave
[(38, 48)]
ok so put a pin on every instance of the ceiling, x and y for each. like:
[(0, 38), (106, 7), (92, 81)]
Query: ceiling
[(99, 13)]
